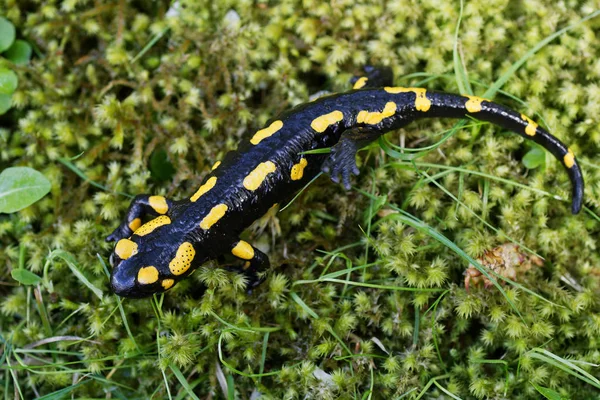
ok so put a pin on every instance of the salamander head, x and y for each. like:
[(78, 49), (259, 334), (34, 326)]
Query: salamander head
[(142, 267)]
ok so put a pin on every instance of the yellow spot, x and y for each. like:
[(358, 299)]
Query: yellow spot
[(183, 259), (422, 103), (126, 248), (320, 124), (215, 165), (360, 83), (372, 118), (215, 214), (204, 188), (159, 204), (147, 275), (152, 225), (246, 265), (531, 126), (569, 159), (167, 283), (298, 169), (266, 132), (136, 223), (473, 105), (243, 250), (258, 175)]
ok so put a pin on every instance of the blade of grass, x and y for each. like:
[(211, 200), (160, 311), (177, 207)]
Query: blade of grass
[(565, 365), (186, 386), (491, 92), (303, 305), (462, 80), (416, 223), (79, 173), (443, 389), (72, 264), (149, 45)]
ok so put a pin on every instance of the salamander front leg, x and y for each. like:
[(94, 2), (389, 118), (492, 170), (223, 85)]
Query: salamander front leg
[(141, 206), (342, 159), (255, 262)]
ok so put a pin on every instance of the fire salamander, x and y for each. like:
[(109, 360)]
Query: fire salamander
[(270, 166)]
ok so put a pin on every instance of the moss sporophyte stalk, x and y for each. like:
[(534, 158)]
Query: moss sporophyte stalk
[(365, 296)]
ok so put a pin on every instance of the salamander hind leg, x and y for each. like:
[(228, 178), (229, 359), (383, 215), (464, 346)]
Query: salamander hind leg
[(255, 262), (373, 77), (342, 159), (141, 206)]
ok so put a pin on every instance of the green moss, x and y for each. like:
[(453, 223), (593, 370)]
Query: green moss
[(110, 83)]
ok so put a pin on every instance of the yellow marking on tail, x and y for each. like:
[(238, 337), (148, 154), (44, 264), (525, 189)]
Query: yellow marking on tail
[(531, 126), (422, 103), (569, 159), (473, 105)]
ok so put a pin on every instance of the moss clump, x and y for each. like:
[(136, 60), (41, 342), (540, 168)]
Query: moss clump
[(113, 83)]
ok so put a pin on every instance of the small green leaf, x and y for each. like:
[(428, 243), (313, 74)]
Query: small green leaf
[(19, 52), (74, 267), (5, 103), (25, 277), (7, 34), (161, 168), (547, 393), (534, 158), (8, 81), (20, 187)]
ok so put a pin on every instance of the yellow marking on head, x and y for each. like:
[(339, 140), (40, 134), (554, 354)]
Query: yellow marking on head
[(320, 124), (215, 165), (152, 225), (126, 248), (360, 83), (246, 265), (422, 103), (215, 214), (298, 170), (531, 126), (569, 159), (167, 283), (147, 275), (373, 118), (266, 132), (243, 250), (255, 178), (183, 259), (204, 188), (473, 105), (159, 204), (136, 223)]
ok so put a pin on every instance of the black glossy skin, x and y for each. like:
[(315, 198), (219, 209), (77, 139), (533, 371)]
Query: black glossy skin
[(283, 148)]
